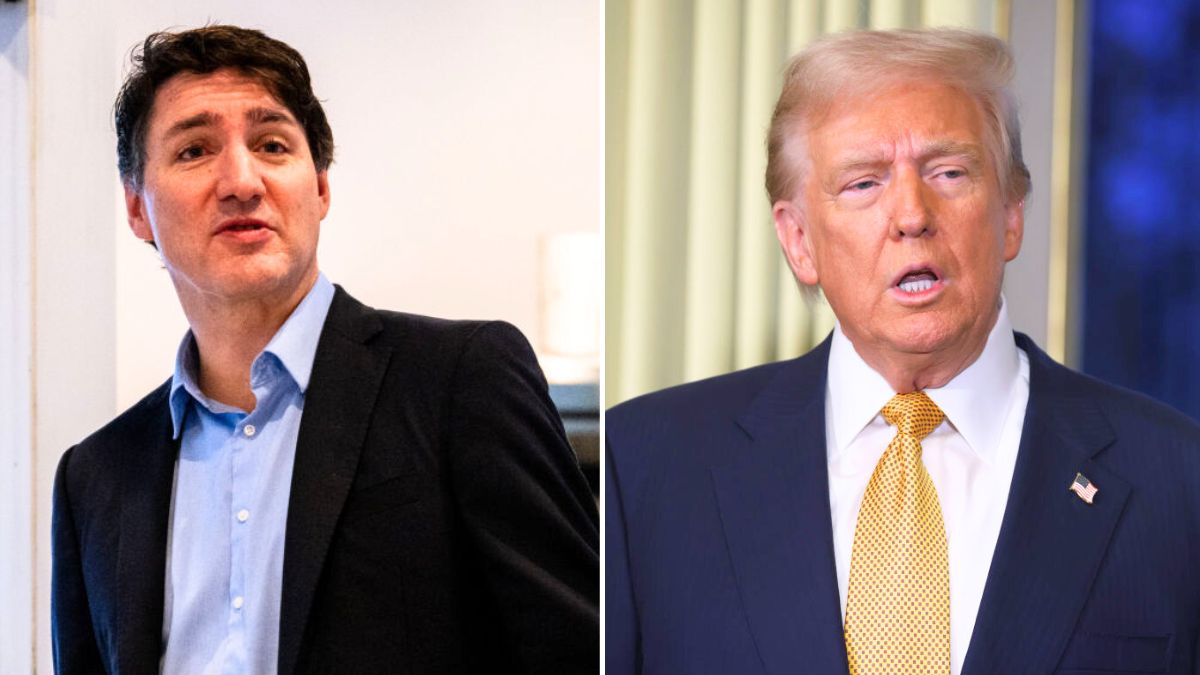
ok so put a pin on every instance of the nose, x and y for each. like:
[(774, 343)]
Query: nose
[(239, 176), (911, 216)]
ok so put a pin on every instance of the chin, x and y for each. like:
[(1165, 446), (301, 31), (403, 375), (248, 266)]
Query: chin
[(247, 284), (922, 334)]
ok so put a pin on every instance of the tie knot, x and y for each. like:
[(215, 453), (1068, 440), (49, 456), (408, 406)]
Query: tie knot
[(913, 414)]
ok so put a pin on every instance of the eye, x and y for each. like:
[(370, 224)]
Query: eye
[(195, 151), (953, 174), (861, 185), (274, 147)]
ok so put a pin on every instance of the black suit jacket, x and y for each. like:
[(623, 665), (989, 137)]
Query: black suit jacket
[(438, 520)]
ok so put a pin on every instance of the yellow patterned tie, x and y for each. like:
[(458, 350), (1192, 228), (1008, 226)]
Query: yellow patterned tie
[(898, 605)]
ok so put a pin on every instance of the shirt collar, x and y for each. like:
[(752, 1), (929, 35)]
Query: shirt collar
[(975, 401), (294, 345)]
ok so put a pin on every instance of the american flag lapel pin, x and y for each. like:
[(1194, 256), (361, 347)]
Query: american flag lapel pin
[(1084, 488)]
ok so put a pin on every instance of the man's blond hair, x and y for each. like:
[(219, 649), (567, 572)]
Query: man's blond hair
[(857, 63)]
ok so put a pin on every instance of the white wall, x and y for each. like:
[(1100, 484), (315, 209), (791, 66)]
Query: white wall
[(72, 256), (465, 130), (16, 384)]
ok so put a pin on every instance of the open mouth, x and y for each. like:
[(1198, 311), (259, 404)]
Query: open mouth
[(240, 226), (917, 281)]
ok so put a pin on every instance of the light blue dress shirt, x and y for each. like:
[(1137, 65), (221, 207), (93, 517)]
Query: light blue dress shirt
[(230, 501)]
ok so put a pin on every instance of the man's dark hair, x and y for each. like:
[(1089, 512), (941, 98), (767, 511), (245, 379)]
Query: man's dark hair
[(278, 67)]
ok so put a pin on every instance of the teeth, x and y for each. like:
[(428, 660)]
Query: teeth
[(916, 286)]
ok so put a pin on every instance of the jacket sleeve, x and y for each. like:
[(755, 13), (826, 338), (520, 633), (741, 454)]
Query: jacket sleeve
[(74, 639), (525, 505)]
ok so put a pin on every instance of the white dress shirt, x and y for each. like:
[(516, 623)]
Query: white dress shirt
[(970, 457)]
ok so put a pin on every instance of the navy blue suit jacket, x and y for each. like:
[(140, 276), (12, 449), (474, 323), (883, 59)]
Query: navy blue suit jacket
[(719, 543)]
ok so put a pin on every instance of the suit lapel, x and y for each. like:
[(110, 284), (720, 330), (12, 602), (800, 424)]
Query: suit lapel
[(1051, 543), (774, 505), (345, 382), (147, 475)]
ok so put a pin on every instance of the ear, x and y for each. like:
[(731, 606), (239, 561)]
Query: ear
[(135, 213), (323, 191), (792, 231), (1014, 228)]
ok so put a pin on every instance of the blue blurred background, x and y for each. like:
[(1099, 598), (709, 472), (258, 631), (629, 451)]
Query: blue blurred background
[(1141, 292)]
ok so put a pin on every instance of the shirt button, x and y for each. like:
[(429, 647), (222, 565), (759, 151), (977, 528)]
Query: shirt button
[(238, 602), (243, 516), (249, 429)]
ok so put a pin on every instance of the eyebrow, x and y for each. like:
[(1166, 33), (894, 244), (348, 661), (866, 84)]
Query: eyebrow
[(970, 151), (269, 116), (203, 119), (256, 116)]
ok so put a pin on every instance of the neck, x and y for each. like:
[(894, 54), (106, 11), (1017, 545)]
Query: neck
[(230, 335), (917, 371)]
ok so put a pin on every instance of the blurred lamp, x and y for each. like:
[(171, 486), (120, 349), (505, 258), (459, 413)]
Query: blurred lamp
[(570, 306)]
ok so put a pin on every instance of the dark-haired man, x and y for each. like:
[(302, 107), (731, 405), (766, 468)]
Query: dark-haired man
[(321, 486)]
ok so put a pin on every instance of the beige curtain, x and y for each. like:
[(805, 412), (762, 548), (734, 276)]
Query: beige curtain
[(695, 283)]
